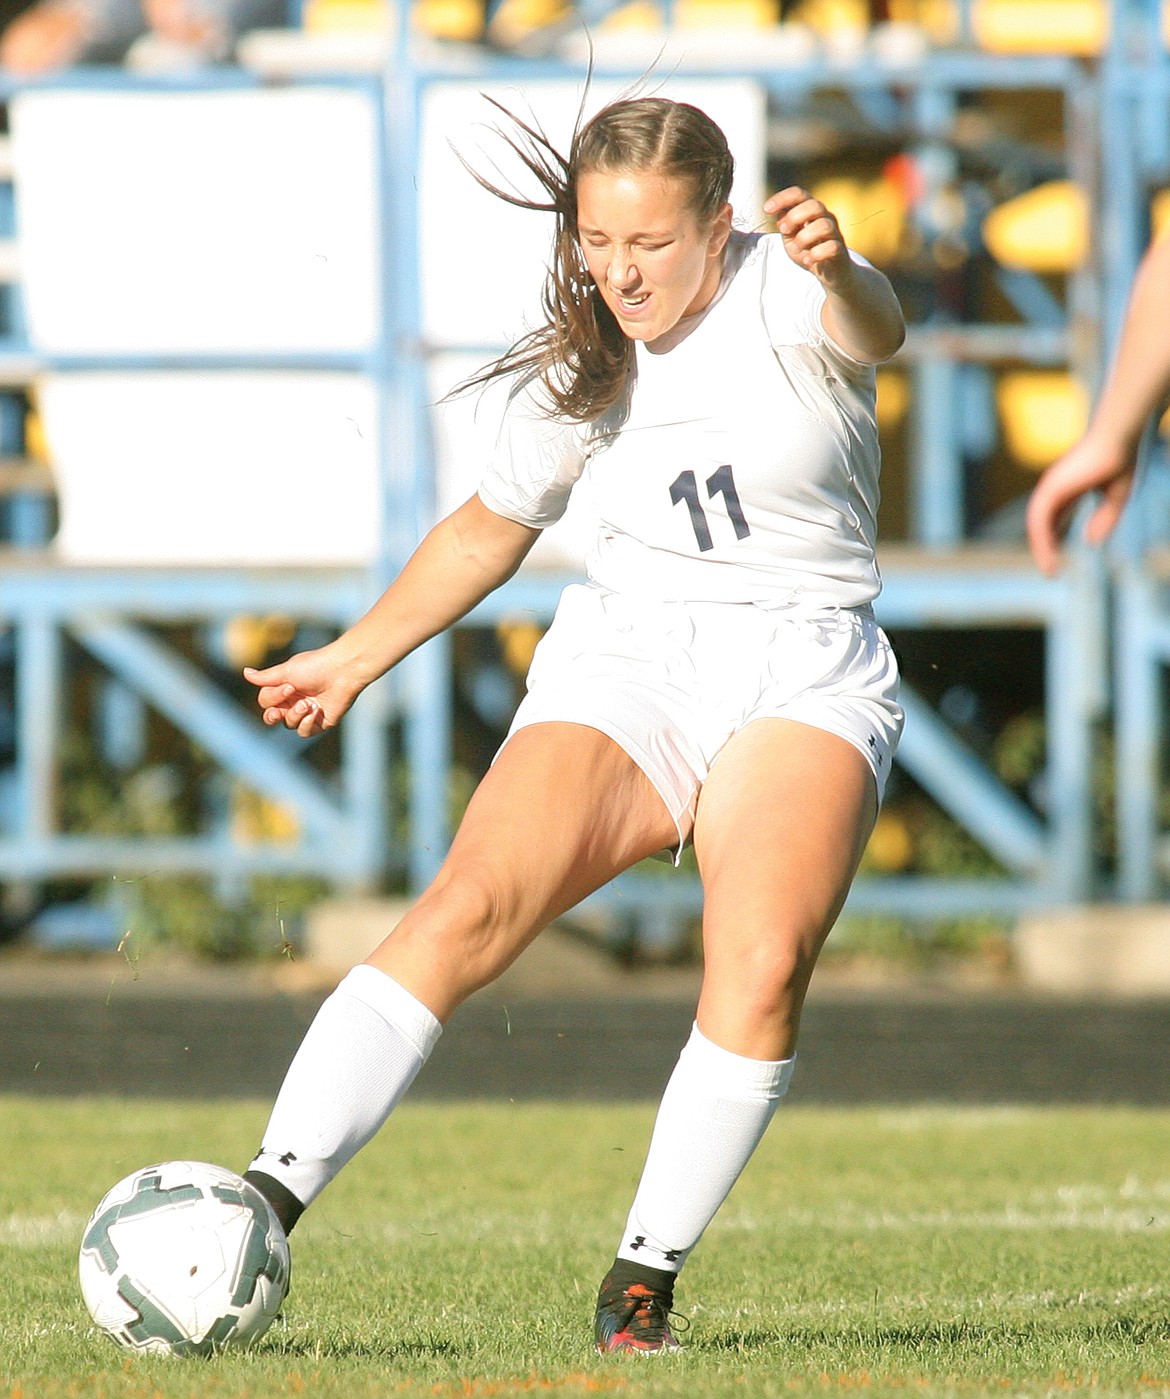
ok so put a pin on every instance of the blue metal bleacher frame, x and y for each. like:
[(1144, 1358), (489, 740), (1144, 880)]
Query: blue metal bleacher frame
[(938, 579), (1136, 160), (118, 615)]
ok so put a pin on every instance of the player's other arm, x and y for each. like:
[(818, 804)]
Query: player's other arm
[(463, 559), (1105, 459), (861, 314)]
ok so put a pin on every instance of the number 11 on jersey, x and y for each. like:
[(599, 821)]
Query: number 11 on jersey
[(722, 482)]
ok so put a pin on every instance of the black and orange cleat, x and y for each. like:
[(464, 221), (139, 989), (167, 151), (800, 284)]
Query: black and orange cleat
[(633, 1310)]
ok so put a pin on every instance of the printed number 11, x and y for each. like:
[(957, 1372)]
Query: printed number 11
[(722, 482)]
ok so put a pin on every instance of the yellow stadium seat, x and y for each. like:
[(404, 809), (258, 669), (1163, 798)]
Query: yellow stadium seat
[(249, 640), (1078, 27), (460, 20), (891, 845), (1045, 230), (893, 398), (348, 16), (515, 20), (1043, 412), (518, 640), (939, 19), (726, 14), (256, 819), (1160, 214), (638, 14), (871, 213), (36, 444)]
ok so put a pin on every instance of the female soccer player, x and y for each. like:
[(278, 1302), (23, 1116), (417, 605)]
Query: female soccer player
[(720, 678)]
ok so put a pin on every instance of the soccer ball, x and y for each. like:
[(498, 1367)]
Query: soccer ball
[(183, 1258)]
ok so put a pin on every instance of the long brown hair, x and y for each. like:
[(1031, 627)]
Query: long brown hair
[(580, 354)]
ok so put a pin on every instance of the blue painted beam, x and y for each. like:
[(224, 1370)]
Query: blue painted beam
[(42, 586), (236, 740), (1140, 652), (963, 785), (79, 855), (916, 898), (38, 703)]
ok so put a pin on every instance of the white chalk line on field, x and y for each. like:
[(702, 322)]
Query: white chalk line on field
[(1009, 1217), (1134, 1206), (37, 1230)]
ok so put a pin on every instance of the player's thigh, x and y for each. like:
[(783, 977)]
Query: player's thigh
[(562, 811), (781, 824)]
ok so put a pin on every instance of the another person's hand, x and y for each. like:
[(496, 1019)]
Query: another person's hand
[(1092, 465), (812, 236), (308, 693)]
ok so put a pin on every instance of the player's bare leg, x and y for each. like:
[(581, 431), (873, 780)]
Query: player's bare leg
[(781, 823), (562, 811)]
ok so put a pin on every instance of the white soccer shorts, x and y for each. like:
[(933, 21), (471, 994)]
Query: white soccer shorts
[(671, 682)]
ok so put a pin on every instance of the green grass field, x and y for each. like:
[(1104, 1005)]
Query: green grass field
[(895, 1252)]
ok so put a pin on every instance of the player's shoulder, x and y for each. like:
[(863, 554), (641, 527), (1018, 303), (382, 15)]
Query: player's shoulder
[(788, 297), (530, 408), (764, 270)]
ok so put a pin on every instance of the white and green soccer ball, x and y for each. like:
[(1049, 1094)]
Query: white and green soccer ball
[(184, 1258)]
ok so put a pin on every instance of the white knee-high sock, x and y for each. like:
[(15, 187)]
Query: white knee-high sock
[(716, 1108), (359, 1056)]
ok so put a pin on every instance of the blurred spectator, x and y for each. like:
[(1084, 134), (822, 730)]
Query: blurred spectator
[(54, 34)]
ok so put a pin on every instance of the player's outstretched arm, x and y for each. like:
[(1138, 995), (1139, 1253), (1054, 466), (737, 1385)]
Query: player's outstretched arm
[(463, 559), (861, 312), (1105, 459)]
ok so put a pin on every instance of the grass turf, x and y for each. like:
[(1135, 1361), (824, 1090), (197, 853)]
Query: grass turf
[(925, 1252)]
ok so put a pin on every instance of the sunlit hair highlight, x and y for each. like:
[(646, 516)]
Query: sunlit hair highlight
[(580, 354)]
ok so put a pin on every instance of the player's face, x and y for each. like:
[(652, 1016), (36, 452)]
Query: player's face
[(651, 259)]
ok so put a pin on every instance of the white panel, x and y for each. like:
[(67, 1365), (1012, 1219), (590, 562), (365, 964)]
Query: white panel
[(214, 468), (198, 222), (483, 259)]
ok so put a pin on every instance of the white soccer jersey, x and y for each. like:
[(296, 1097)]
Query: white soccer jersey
[(741, 466)]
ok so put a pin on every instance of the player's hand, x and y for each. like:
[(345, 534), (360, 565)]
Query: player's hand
[(307, 693), (812, 236), (1089, 466)]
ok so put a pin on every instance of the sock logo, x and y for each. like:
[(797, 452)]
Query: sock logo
[(286, 1158), (639, 1241)]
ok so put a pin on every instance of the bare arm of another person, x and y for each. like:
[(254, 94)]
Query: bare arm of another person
[(1105, 459), (463, 559), (861, 313)]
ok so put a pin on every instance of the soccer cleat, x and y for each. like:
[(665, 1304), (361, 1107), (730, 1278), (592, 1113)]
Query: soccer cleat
[(633, 1310)]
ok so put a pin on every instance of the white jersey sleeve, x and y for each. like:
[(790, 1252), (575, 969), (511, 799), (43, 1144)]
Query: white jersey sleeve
[(793, 302), (536, 462)]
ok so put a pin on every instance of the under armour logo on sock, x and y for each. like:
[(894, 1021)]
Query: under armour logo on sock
[(285, 1158), (639, 1241)]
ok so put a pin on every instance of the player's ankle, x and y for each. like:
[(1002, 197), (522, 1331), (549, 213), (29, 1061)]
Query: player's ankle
[(285, 1205)]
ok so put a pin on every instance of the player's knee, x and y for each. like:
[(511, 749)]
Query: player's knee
[(771, 980), (463, 919)]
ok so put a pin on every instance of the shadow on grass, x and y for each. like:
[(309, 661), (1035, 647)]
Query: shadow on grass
[(944, 1335)]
